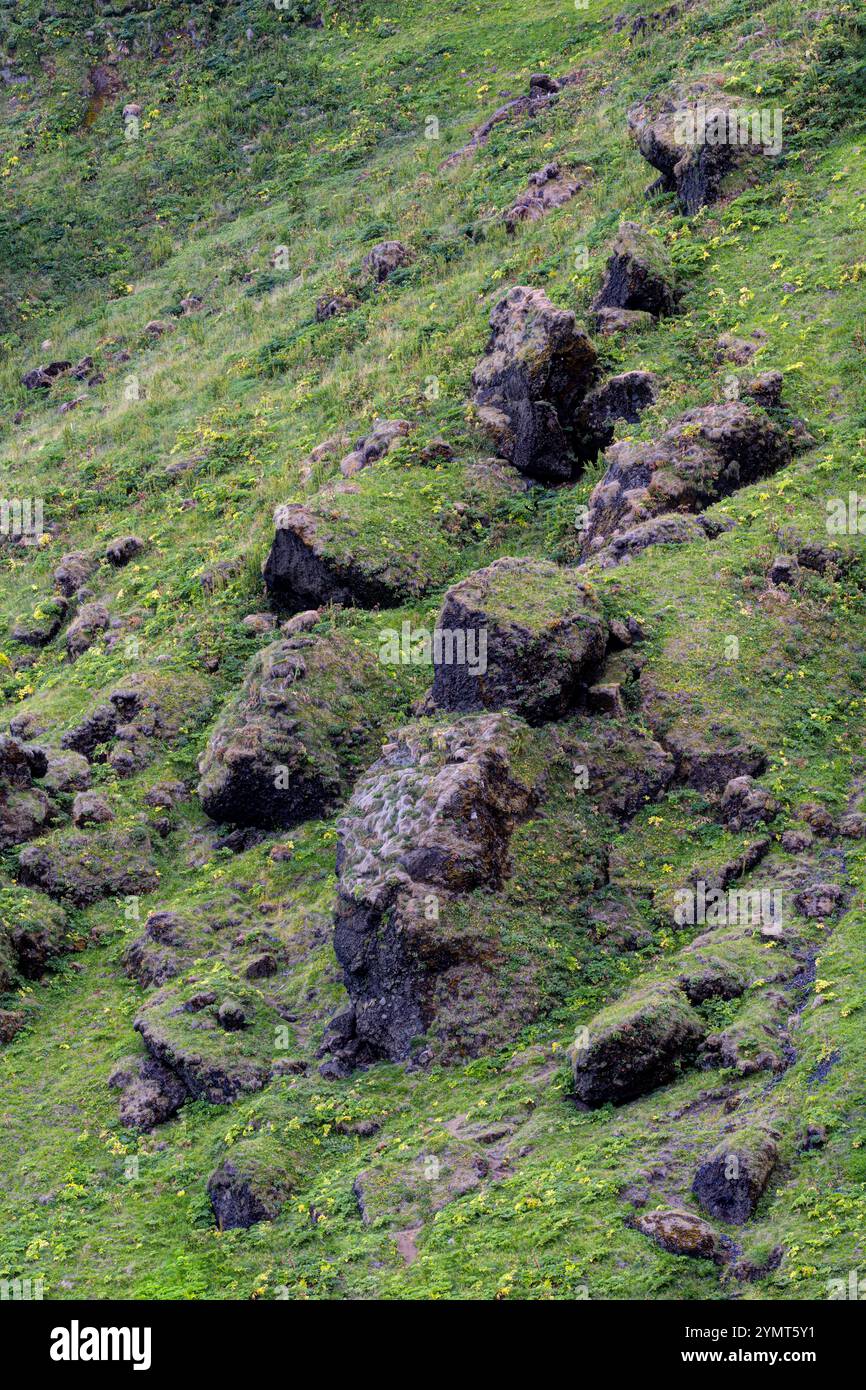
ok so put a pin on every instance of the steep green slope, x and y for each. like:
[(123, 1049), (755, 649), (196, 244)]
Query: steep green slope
[(271, 154)]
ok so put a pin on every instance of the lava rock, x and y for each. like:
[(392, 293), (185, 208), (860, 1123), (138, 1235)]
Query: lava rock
[(536, 634), (730, 1182), (536, 370)]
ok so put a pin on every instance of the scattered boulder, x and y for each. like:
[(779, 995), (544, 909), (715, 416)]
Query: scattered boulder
[(43, 624), (286, 748), (853, 826), (84, 868), (385, 258), (818, 818), (623, 397), (543, 90), (536, 371), (160, 953), (693, 138), (91, 621), (89, 808), (706, 454), (41, 378), (330, 306), (96, 729), (820, 900), (740, 351), (150, 1092), (672, 529), (433, 816), (24, 809), (67, 772), (245, 1188), (11, 1024), (745, 804), (680, 1233), (729, 1183), (783, 570), (373, 446), (635, 1045), (610, 321), (124, 549), (521, 635), (548, 188), (639, 275)]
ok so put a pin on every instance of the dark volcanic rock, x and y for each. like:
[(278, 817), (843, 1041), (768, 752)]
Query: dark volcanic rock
[(373, 446), (286, 748), (385, 258), (692, 138), (91, 621), (432, 819), (150, 1092), (87, 867), (729, 1183), (639, 274), (623, 397), (99, 727), (536, 633), (745, 804), (708, 453), (299, 572), (121, 551), (244, 1190), (673, 529), (24, 809), (537, 368), (635, 1045)]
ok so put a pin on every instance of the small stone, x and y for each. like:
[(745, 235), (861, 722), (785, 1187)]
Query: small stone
[(121, 551)]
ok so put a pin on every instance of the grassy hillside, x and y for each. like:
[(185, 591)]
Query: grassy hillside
[(274, 149)]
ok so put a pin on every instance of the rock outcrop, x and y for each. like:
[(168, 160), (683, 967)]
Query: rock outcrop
[(535, 373), (548, 188), (635, 1045), (430, 820), (522, 635), (705, 455), (639, 275), (729, 1183), (287, 747)]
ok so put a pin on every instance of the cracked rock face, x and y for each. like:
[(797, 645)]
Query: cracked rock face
[(707, 454), (536, 370), (430, 820), (537, 632), (283, 750)]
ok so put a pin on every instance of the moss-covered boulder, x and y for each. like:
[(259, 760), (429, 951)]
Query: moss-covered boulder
[(305, 723), (680, 1233), (25, 809), (82, 867), (635, 1045), (431, 820), (523, 635), (33, 932), (536, 370), (385, 536), (639, 274), (729, 1183), (253, 1182), (705, 455)]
